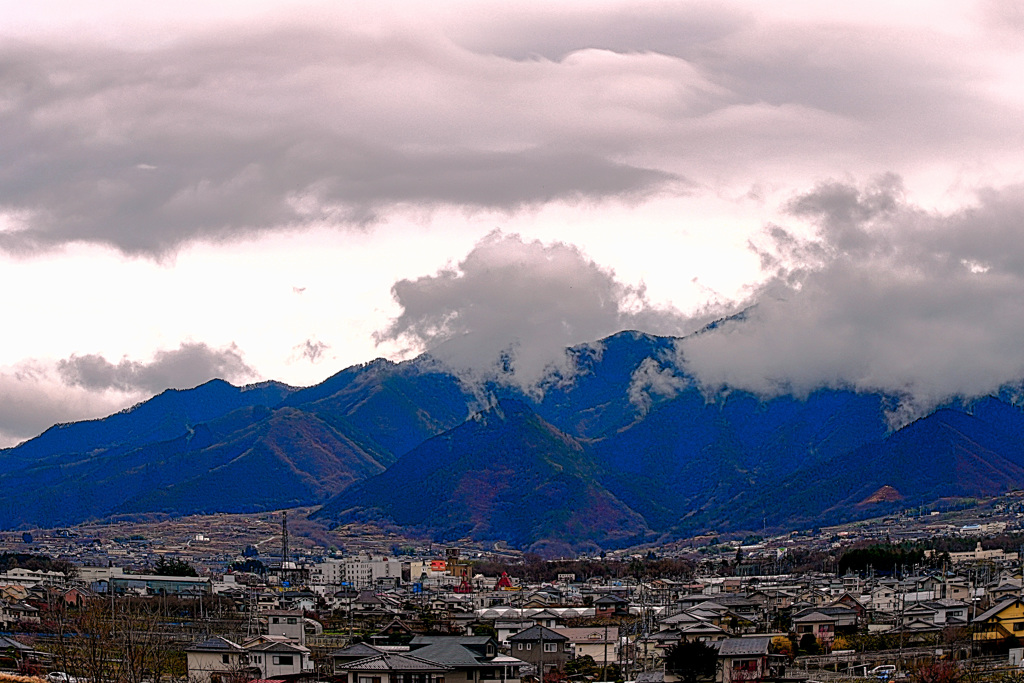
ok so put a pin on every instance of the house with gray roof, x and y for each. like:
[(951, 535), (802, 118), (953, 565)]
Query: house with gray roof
[(217, 660), (470, 658), (543, 648), (743, 659), (391, 667)]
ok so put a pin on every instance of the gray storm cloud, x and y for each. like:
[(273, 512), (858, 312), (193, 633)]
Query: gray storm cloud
[(35, 398), (885, 296), (511, 307), (187, 366), (217, 135), (38, 394), (213, 139)]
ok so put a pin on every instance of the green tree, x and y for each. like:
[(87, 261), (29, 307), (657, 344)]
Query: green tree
[(809, 644), (165, 567), (691, 661), (580, 666)]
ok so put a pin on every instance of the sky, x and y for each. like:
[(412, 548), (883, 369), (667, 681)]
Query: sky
[(279, 190)]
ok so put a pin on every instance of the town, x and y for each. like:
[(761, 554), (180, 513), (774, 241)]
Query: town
[(924, 594)]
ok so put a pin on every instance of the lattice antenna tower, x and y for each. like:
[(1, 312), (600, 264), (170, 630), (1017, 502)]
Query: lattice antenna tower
[(284, 539)]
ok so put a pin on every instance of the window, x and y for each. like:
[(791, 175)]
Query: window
[(568, 647), (519, 646), (550, 647), (225, 659), (291, 620), (283, 660), (529, 645), (275, 620), (1018, 626)]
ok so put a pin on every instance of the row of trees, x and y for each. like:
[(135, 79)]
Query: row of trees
[(534, 569), (124, 640)]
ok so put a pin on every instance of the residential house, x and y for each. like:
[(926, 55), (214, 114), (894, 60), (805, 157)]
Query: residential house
[(468, 658), (1007, 588), (276, 657), (391, 667), (1000, 623), (611, 606), (743, 659), (546, 618), (883, 598), (218, 660), (541, 647), (14, 653), (850, 602), (510, 627), (287, 623), (813, 622), (353, 653), (599, 642)]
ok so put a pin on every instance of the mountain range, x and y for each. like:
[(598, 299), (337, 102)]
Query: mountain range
[(626, 449)]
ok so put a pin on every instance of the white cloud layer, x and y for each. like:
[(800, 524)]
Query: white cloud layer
[(885, 296), (510, 309)]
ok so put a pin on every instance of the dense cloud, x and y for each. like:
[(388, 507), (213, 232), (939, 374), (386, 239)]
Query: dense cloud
[(213, 138), (34, 398), (651, 380), (187, 366), (201, 136), (37, 394), (885, 296), (511, 307)]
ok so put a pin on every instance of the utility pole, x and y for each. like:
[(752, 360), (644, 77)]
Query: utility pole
[(604, 668), (540, 667)]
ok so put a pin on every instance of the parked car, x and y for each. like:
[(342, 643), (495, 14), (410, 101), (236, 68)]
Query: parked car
[(60, 677), (883, 672)]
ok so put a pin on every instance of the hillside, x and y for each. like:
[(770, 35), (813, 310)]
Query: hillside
[(506, 475), (598, 458)]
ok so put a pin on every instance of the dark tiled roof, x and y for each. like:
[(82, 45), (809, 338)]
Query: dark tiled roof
[(534, 634), (357, 650), (450, 652), (277, 647), (740, 647), (611, 600), (386, 661), (7, 642), (988, 614), (215, 644)]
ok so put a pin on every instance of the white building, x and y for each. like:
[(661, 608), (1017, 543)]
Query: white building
[(216, 660), (276, 657)]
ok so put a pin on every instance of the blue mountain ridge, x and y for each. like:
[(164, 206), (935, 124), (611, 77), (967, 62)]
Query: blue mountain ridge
[(681, 463)]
